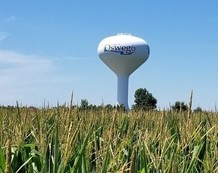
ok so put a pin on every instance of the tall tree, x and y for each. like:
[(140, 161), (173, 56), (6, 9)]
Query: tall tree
[(144, 100), (180, 106), (84, 104)]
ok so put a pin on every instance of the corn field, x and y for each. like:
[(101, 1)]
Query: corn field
[(65, 139)]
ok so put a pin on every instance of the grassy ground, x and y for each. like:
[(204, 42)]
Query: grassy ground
[(71, 140)]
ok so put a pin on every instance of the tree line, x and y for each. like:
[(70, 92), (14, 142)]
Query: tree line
[(144, 100)]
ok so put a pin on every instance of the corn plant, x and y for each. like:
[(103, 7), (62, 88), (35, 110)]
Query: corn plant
[(66, 139)]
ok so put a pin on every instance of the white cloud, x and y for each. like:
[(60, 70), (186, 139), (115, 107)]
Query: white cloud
[(29, 79), (21, 75), (8, 19), (16, 62), (3, 35)]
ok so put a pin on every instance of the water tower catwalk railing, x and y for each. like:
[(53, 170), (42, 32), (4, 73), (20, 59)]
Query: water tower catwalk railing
[(123, 54)]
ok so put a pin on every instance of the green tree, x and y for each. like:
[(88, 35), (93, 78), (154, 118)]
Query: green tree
[(108, 107), (84, 104), (144, 100), (197, 110), (120, 108), (180, 106)]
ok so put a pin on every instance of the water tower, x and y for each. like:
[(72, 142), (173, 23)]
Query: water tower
[(123, 54)]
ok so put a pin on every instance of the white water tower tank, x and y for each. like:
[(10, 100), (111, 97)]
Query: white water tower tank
[(123, 54)]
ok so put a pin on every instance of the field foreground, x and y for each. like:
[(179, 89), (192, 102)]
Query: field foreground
[(62, 139)]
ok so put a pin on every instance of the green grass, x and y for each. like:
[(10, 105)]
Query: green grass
[(62, 139)]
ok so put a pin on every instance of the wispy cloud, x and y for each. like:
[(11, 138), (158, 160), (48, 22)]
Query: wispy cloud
[(8, 19), (21, 74), (76, 58), (14, 65), (3, 35)]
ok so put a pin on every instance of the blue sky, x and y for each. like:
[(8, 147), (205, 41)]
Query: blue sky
[(49, 49)]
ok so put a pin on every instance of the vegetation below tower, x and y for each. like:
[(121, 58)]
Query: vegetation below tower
[(66, 139)]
